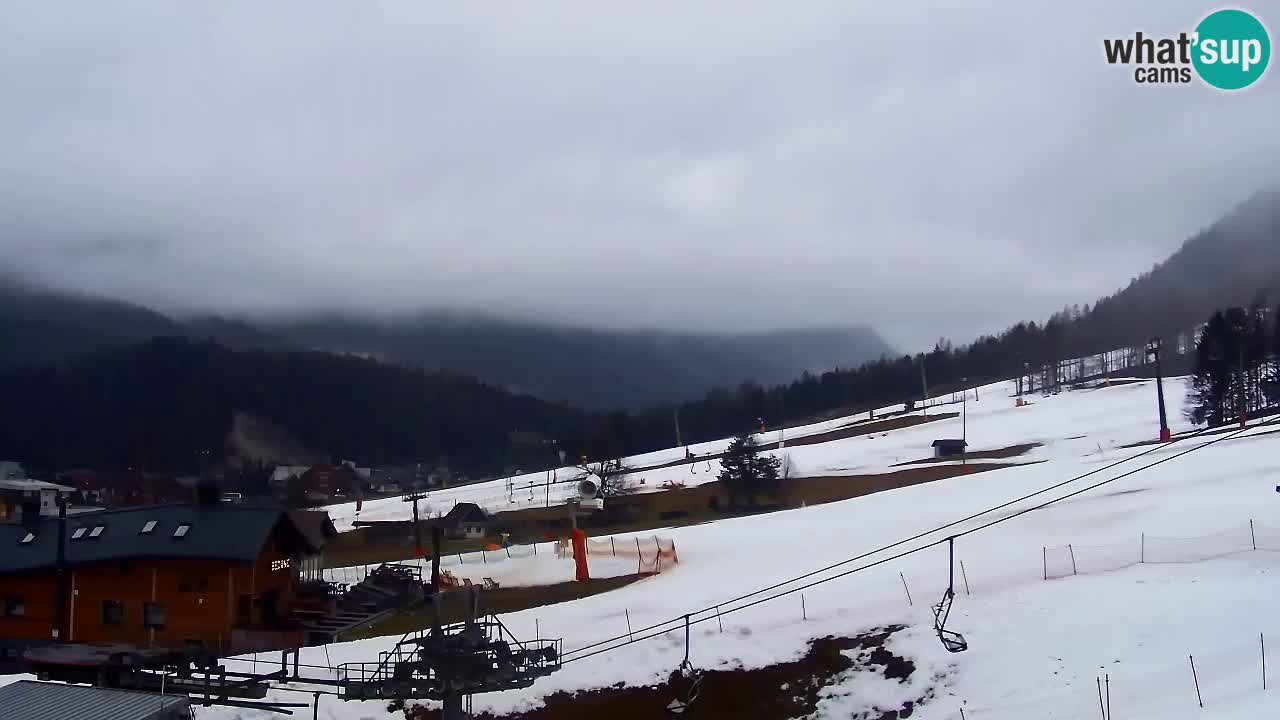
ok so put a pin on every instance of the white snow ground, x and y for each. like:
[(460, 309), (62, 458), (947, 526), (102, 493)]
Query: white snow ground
[(1036, 646)]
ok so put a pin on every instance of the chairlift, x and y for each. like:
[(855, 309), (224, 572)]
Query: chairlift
[(687, 672), (952, 641)]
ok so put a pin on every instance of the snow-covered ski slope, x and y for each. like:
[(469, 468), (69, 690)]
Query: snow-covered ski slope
[(1036, 646), (992, 422)]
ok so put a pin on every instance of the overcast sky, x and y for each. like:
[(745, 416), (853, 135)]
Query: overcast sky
[(928, 170)]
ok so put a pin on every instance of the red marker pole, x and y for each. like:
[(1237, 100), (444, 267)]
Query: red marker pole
[(580, 555)]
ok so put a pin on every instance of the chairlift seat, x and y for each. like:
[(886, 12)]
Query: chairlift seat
[(952, 641)]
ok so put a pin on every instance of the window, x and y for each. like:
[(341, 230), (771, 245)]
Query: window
[(153, 615), (30, 538), (181, 532), (112, 612), (96, 531), (79, 533), (146, 529), (14, 606)]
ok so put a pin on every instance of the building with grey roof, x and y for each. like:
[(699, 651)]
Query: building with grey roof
[(31, 700)]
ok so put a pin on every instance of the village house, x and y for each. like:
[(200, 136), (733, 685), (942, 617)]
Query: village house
[(321, 483), (20, 497), (465, 520), (31, 700), (283, 474), (215, 575), (129, 488)]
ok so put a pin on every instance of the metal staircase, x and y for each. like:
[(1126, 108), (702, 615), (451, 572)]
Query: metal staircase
[(384, 591), (461, 659)]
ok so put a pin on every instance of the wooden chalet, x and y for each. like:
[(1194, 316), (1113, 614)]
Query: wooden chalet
[(211, 575)]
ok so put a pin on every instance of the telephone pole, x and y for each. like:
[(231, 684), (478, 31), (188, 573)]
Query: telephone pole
[(1242, 382), (782, 420), (924, 387), (1153, 351)]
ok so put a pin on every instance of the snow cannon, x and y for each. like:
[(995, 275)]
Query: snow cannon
[(589, 493)]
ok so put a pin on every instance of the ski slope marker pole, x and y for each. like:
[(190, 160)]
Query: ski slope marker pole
[(1195, 677)]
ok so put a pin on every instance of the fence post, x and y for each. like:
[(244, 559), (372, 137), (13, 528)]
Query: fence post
[(1072, 550), (614, 547), (1107, 680), (804, 614), (1253, 537), (1101, 708), (629, 635), (904, 587), (484, 557), (1262, 639), (1045, 550), (965, 575), (1195, 677), (718, 621)]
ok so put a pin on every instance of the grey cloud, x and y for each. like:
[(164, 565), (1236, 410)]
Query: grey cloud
[(927, 170)]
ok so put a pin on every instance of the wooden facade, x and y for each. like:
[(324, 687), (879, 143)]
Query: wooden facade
[(223, 604)]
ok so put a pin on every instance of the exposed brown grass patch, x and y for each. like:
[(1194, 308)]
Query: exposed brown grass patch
[(492, 602), (776, 692)]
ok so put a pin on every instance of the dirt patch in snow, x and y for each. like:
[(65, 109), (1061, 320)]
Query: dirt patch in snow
[(496, 601), (997, 454), (776, 692)]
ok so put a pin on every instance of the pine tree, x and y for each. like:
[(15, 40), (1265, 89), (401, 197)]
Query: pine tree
[(1256, 358), (1208, 398), (745, 472), (1271, 379), (1231, 360)]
